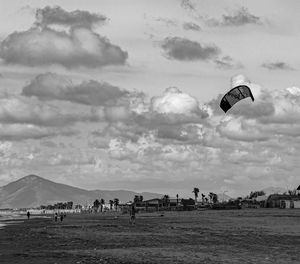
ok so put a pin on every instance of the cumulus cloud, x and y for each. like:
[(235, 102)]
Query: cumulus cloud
[(174, 101), (191, 26), (80, 46), (239, 17), (51, 86), (277, 66), (273, 113), (242, 130), (286, 103), (174, 115), (57, 16), (277, 107), (22, 110), (186, 50)]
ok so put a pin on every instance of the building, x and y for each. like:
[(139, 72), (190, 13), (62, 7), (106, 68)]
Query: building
[(281, 201)]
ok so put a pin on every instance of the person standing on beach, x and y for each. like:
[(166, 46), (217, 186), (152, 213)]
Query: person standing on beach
[(28, 214), (61, 216), (132, 214), (55, 217)]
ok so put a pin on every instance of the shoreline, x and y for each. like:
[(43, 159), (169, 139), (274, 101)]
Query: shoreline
[(9, 219)]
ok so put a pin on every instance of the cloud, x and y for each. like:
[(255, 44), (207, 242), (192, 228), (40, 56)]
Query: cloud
[(174, 115), (277, 66), (186, 50), (51, 86), (19, 132), (79, 47), (191, 26), (117, 113), (174, 101), (240, 17), (272, 107), (286, 103), (274, 113), (48, 144), (227, 63), (57, 16), (22, 110), (180, 134), (188, 5), (241, 130), (167, 21)]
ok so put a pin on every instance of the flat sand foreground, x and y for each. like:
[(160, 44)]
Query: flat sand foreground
[(233, 236)]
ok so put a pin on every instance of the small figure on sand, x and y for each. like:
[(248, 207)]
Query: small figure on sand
[(61, 216), (28, 215), (132, 214), (55, 217)]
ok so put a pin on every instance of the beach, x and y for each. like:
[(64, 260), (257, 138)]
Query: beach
[(211, 236)]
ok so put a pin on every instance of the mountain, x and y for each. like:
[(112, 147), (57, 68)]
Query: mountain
[(223, 197), (273, 190), (33, 191)]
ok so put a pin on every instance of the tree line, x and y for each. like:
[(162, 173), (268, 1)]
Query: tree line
[(60, 205), (99, 204)]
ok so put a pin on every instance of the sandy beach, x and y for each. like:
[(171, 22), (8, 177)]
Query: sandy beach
[(240, 236)]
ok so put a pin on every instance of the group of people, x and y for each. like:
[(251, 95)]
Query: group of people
[(61, 216)]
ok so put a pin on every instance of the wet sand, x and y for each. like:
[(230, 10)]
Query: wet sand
[(237, 236)]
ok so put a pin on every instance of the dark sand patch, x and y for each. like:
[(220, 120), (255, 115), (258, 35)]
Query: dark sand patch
[(241, 236)]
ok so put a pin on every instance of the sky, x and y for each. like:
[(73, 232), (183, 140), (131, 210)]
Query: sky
[(124, 94)]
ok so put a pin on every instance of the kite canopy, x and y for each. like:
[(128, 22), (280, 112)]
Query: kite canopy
[(240, 90)]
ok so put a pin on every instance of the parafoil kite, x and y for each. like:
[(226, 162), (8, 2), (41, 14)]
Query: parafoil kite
[(240, 90)]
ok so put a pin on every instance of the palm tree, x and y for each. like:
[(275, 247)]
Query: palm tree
[(116, 203), (141, 198), (196, 191), (166, 200), (136, 199), (102, 202), (111, 202), (96, 205), (213, 197)]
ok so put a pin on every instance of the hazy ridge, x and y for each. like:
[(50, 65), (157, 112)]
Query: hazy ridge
[(33, 190)]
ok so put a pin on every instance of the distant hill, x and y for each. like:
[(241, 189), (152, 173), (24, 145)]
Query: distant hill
[(33, 191), (223, 197), (273, 190)]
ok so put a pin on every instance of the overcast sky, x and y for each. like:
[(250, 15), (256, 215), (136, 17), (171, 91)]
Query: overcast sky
[(124, 94)]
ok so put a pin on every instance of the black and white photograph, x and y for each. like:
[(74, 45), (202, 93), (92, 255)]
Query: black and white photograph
[(149, 131)]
